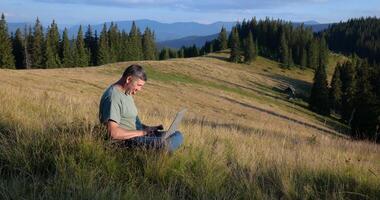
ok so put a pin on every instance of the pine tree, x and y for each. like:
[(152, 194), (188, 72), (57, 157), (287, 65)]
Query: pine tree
[(181, 53), (164, 54), (81, 59), (6, 56), (249, 50), (28, 43), (235, 55), (103, 52), (336, 90), (323, 52), (149, 47), (90, 44), (19, 50), (348, 78), (312, 54), (51, 53), (134, 44), (284, 50), (114, 43), (66, 53), (222, 39), (365, 117), (319, 98), (37, 49)]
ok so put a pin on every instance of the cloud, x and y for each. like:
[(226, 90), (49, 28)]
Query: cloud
[(205, 5)]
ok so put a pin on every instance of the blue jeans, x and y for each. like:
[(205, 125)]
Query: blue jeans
[(157, 142)]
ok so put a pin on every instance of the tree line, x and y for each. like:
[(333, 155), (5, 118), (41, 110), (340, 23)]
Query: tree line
[(360, 36), (36, 48)]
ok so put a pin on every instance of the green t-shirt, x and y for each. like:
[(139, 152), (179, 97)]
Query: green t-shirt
[(119, 107)]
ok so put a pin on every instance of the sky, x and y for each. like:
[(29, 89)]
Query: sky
[(70, 12)]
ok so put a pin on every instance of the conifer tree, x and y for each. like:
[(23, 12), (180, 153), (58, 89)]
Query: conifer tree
[(66, 53), (51, 53), (181, 53), (235, 55), (114, 43), (348, 78), (312, 54), (103, 52), (164, 54), (134, 44), (249, 50), (149, 47), (336, 90), (222, 39), (90, 44), (37, 49), (19, 50), (323, 52), (365, 118), (28, 43), (81, 58), (6, 56), (284, 50), (319, 98)]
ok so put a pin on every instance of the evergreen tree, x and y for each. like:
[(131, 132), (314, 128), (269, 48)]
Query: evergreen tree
[(28, 43), (114, 43), (181, 53), (81, 58), (249, 50), (103, 52), (336, 90), (348, 78), (365, 118), (149, 47), (90, 44), (235, 55), (19, 50), (37, 49), (164, 54), (6, 56), (323, 52), (134, 44), (222, 39), (312, 54), (284, 50), (66, 53), (51, 53), (319, 98)]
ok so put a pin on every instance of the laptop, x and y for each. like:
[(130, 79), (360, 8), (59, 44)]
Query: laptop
[(174, 125)]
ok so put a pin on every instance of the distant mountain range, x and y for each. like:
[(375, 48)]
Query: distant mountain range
[(172, 35)]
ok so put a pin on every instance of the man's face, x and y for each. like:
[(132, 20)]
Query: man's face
[(134, 85)]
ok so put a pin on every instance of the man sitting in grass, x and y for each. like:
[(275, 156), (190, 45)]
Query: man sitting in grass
[(118, 112)]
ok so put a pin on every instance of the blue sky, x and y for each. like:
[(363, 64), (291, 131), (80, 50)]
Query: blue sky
[(205, 11)]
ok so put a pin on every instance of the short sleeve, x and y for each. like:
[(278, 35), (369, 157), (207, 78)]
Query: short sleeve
[(111, 110)]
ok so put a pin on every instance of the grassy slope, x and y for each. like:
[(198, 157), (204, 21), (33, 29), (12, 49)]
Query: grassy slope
[(243, 139)]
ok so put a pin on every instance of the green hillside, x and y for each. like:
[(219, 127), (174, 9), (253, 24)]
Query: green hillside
[(243, 138)]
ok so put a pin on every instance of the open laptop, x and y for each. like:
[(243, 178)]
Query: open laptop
[(174, 125)]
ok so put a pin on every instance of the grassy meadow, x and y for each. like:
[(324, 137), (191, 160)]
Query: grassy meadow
[(243, 138)]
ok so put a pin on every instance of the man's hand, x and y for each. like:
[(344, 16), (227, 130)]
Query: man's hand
[(153, 130)]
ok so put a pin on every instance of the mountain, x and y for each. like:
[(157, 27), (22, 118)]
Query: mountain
[(166, 31), (199, 41), (175, 34)]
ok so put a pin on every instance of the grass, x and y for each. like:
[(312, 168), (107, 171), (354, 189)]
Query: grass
[(52, 146)]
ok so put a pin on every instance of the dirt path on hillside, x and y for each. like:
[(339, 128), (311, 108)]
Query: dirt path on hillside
[(284, 117)]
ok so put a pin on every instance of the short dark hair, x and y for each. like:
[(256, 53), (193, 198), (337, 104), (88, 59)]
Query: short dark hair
[(135, 70)]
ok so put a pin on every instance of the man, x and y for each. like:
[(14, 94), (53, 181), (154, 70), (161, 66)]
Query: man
[(117, 110)]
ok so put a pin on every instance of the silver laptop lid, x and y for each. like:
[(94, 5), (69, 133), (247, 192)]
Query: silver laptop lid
[(175, 123)]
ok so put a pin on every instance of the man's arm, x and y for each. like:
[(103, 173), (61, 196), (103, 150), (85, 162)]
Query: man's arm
[(118, 133)]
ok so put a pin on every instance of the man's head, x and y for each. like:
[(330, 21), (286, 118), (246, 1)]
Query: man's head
[(133, 78)]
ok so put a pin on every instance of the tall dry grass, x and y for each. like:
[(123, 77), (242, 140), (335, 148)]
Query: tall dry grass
[(52, 147)]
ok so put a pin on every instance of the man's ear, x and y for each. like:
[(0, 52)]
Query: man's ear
[(128, 79)]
